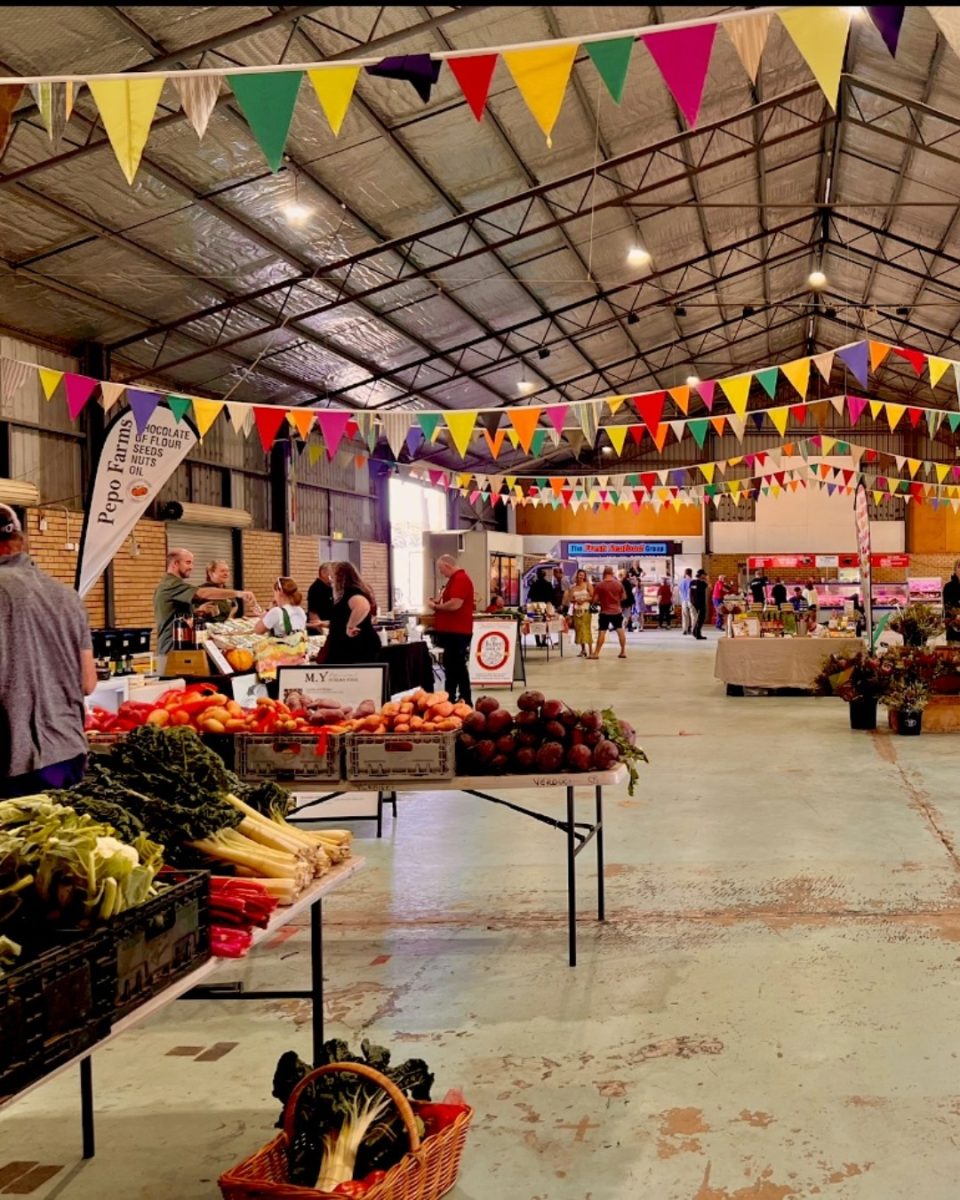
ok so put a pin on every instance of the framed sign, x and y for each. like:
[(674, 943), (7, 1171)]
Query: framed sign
[(350, 685), (247, 689), (493, 653)]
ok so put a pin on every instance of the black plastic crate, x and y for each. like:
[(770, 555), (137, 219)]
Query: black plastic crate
[(160, 941), (54, 1007)]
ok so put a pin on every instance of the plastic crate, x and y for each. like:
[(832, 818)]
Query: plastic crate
[(400, 756), (54, 1007), (162, 940), (314, 756)]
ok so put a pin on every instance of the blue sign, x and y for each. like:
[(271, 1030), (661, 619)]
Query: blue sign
[(626, 549)]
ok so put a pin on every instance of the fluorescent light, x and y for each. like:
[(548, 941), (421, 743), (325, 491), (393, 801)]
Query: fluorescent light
[(817, 280), (607, 450), (297, 213), (637, 256), (526, 387), (693, 380)]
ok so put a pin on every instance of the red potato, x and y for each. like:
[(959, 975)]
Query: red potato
[(498, 722), (551, 756), (487, 704), (552, 709), (555, 731)]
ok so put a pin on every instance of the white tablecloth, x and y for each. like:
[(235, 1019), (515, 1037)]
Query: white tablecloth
[(776, 662)]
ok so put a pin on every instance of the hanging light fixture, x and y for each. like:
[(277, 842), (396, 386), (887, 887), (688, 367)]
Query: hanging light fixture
[(817, 280), (693, 380), (637, 256), (526, 387), (293, 208)]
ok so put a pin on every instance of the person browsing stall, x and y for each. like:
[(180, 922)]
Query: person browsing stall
[(687, 615), (698, 600), (287, 615), (609, 594), (352, 637), (46, 669), (453, 626), (175, 597), (320, 598)]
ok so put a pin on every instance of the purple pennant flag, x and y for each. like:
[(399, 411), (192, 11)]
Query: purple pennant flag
[(888, 18), (333, 425), (142, 405), (79, 389), (414, 439), (757, 419), (420, 70), (856, 358), (679, 477)]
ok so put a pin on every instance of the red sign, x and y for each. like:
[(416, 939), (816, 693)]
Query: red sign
[(890, 560), (768, 561), (765, 562)]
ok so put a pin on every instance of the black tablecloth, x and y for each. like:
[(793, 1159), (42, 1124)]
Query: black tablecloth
[(409, 665)]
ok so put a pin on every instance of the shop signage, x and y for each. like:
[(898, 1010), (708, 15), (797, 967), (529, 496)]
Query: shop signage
[(492, 653), (890, 560), (343, 684), (828, 560), (767, 561), (624, 549), (130, 472), (783, 561), (861, 512)]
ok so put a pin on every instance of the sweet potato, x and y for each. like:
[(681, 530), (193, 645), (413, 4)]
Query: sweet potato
[(448, 724), (406, 708), (390, 709), (416, 723), (401, 727), (443, 710), (462, 710), (429, 727), (371, 723)]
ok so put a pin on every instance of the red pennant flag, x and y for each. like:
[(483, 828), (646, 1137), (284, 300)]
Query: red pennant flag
[(79, 389), (352, 429), (799, 413), (439, 479), (916, 358), (870, 456), (638, 495), (269, 420), (649, 480), (474, 75), (649, 408), (636, 434), (567, 494), (914, 414)]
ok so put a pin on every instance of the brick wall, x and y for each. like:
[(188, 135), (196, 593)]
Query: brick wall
[(375, 569), (304, 560), (48, 549), (262, 563), (138, 567)]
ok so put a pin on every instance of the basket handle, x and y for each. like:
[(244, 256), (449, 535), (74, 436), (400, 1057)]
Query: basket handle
[(399, 1099)]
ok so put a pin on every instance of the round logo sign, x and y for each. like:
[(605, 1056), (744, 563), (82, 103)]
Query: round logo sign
[(492, 651), (138, 490)]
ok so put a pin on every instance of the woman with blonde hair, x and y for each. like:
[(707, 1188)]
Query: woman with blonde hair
[(578, 597), (287, 615), (352, 637)]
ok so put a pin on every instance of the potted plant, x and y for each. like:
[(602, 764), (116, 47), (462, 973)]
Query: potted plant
[(917, 623), (909, 674), (860, 679)]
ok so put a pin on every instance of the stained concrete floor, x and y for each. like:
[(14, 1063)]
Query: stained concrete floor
[(770, 1011)]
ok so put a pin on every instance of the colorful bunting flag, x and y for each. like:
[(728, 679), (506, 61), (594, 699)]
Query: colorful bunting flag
[(333, 425), (10, 94), (820, 34), (429, 422), (79, 389), (268, 418), (778, 418), (797, 373), (302, 421), (681, 398), (267, 102), (617, 435), (395, 427), (494, 441), (916, 358), (612, 60), (143, 404), (878, 353), (749, 36), (938, 368), (947, 18), (683, 60), (461, 426), (737, 390), (205, 412), (110, 393), (649, 408), (855, 357), (888, 18), (127, 107), (556, 414), (706, 388), (198, 98), (536, 442), (333, 87), (241, 417), (894, 413), (855, 407), (419, 70), (49, 381), (51, 100), (824, 364), (767, 379), (524, 422), (474, 74), (541, 77), (178, 405)]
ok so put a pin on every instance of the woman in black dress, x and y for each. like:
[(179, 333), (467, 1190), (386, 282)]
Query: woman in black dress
[(352, 637)]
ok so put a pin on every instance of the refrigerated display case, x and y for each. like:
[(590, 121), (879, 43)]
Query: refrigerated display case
[(833, 595), (505, 578)]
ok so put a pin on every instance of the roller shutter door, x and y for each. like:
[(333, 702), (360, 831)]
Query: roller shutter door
[(206, 542)]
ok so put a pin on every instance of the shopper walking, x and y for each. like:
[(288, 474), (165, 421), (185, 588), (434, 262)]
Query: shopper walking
[(665, 604), (540, 591), (175, 597), (720, 590), (578, 597), (560, 586), (687, 615), (758, 589), (698, 599), (778, 593), (320, 598), (609, 594), (813, 600), (46, 669), (352, 637), (629, 599), (453, 626)]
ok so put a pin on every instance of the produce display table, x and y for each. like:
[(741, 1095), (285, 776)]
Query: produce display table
[(776, 662), (193, 986), (578, 833)]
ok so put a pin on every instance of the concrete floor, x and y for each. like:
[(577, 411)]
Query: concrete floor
[(771, 1010)]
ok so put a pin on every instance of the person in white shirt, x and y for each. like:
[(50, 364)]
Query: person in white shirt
[(810, 595), (287, 615)]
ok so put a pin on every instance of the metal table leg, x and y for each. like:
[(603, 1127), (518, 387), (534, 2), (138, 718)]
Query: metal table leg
[(571, 880), (601, 898), (316, 976), (86, 1106)]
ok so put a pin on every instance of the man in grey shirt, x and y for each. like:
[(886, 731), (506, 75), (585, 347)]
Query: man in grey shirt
[(46, 668), (175, 596)]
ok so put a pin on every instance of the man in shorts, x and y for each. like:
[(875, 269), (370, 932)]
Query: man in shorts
[(609, 595)]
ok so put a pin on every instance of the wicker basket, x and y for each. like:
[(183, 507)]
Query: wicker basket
[(427, 1171)]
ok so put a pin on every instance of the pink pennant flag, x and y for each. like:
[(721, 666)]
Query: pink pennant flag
[(706, 388), (333, 425), (79, 389), (855, 407), (683, 59), (556, 414)]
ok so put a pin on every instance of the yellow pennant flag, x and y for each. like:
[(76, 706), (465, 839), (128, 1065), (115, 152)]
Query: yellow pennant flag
[(737, 391), (541, 76), (49, 381), (913, 465), (778, 418), (876, 407), (820, 34), (681, 397), (513, 437), (708, 469), (798, 373), (938, 367), (827, 444), (334, 88), (942, 470), (302, 421), (877, 497), (461, 426), (894, 413), (613, 403), (205, 412), (126, 109), (617, 435)]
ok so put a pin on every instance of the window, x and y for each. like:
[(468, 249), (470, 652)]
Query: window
[(414, 511)]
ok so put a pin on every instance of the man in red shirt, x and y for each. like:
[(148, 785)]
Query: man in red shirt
[(609, 595), (453, 626)]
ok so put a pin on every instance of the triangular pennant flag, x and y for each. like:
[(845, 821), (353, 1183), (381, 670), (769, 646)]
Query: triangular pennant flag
[(706, 388), (878, 353), (198, 98), (241, 417), (778, 418), (614, 403), (659, 435), (333, 87), (575, 439), (914, 415), (541, 77), (798, 375), (536, 442), (513, 438), (79, 389), (419, 70), (855, 407), (934, 421), (913, 466), (302, 421), (719, 424), (333, 425), (495, 442), (855, 357), (51, 99), (205, 412), (143, 405), (953, 420), (942, 470), (916, 358), (737, 424), (429, 422), (938, 368), (110, 393), (749, 36), (737, 391), (178, 405), (683, 59), (820, 34), (556, 414), (838, 402), (698, 429), (649, 408), (461, 426), (126, 108), (617, 435), (824, 364), (819, 412), (681, 398), (767, 379), (367, 428), (876, 408), (395, 427), (10, 94), (587, 416), (474, 74), (267, 102), (894, 413), (524, 421), (268, 419), (888, 18), (612, 60), (314, 453), (947, 18)]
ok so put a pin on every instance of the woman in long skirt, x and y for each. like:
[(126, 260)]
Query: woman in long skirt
[(578, 598)]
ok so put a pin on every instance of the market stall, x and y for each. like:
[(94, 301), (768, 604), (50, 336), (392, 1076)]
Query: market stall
[(775, 662)]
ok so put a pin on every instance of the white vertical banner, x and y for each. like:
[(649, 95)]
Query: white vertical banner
[(130, 472), (861, 510)]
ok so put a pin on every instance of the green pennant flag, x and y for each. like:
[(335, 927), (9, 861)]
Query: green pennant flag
[(842, 448), (536, 442), (698, 429), (428, 422), (768, 380), (179, 406), (614, 497), (267, 101), (711, 489), (631, 480), (612, 60), (542, 484), (953, 420)]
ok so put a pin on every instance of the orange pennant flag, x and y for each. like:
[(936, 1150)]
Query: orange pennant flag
[(659, 435), (681, 398), (525, 421), (495, 441), (302, 421), (878, 352), (718, 423)]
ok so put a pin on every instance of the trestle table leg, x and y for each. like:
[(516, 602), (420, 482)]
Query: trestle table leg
[(571, 879), (601, 898), (86, 1106), (316, 976)]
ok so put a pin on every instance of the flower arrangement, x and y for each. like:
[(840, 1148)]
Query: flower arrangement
[(909, 675), (917, 623), (859, 676)]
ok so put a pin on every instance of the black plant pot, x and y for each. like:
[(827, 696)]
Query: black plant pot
[(909, 722), (863, 714)]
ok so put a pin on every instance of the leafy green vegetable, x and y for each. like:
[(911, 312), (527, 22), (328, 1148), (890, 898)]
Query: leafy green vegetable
[(267, 797), (622, 734)]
